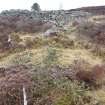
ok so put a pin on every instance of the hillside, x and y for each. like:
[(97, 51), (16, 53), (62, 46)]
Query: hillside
[(52, 57), (97, 10)]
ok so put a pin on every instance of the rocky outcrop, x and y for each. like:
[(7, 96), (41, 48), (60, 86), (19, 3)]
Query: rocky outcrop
[(58, 17)]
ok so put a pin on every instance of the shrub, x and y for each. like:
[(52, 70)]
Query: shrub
[(95, 77), (80, 64), (98, 50), (4, 44), (72, 94), (28, 42), (34, 42), (51, 57), (87, 28), (98, 73), (61, 41), (15, 38), (38, 42)]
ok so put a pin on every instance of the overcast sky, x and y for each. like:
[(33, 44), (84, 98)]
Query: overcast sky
[(48, 4)]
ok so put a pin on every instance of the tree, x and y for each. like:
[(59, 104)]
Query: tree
[(36, 7)]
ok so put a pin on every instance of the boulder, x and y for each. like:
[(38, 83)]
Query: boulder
[(51, 32)]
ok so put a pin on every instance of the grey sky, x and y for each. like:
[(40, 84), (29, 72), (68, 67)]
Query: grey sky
[(48, 4)]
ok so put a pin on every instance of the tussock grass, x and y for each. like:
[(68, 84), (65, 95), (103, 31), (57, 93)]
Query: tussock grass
[(66, 58)]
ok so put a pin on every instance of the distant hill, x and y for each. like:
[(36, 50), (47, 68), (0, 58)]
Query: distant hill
[(99, 10)]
